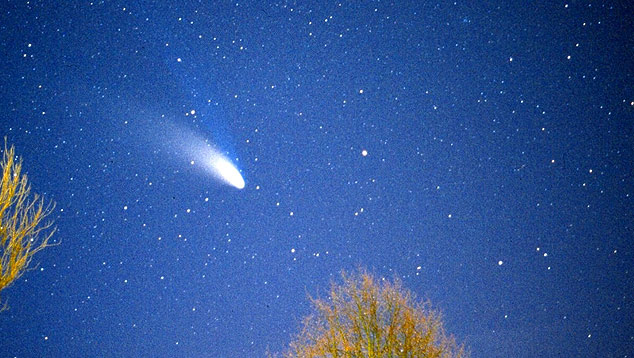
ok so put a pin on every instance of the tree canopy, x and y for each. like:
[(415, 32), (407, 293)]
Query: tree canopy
[(368, 317), (23, 231)]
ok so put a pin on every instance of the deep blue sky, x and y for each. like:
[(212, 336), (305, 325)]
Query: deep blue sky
[(497, 181)]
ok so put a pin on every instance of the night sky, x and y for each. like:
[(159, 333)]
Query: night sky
[(482, 152)]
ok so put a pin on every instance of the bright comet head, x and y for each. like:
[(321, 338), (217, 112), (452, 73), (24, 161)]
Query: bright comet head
[(228, 172)]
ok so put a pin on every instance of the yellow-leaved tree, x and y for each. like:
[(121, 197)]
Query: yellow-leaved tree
[(23, 229), (370, 318)]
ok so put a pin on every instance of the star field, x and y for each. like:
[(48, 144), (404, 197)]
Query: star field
[(482, 153)]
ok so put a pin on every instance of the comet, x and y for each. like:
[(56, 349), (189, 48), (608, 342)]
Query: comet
[(215, 163), (180, 141), (227, 172)]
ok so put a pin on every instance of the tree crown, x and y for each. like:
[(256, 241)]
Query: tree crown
[(366, 317)]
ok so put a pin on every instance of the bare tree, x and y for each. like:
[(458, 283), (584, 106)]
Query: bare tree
[(366, 317), (23, 231)]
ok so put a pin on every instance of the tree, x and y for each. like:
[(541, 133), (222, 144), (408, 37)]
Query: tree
[(23, 231), (366, 317)]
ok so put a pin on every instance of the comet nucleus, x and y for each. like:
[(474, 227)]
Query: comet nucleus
[(228, 172)]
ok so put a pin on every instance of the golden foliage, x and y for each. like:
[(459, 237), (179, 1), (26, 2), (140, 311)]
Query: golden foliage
[(22, 230), (366, 317)]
